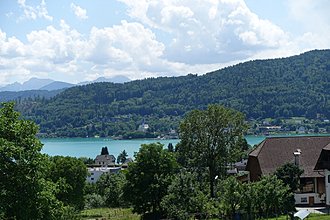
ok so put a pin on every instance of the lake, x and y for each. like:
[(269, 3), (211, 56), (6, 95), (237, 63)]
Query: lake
[(91, 147)]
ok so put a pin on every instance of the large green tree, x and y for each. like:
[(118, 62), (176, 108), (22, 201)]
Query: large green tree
[(290, 174), (110, 186), (70, 174), (185, 198), (24, 191), (148, 179), (210, 141)]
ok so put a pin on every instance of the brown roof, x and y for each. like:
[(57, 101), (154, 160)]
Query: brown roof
[(275, 151)]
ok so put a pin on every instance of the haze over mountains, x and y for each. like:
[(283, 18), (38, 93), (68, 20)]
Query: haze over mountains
[(50, 85)]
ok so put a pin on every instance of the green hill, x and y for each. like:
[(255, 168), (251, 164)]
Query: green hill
[(286, 87)]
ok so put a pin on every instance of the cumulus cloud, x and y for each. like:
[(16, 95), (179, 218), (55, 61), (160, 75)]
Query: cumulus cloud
[(208, 32), (197, 38), (127, 48), (79, 12), (34, 12)]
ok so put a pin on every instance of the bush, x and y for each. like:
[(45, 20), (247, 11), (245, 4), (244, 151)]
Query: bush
[(94, 201)]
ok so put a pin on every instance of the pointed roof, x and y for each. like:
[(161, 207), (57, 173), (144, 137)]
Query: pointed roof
[(274, 152)]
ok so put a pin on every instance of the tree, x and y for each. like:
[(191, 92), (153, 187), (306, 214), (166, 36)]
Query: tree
[(170, 147), (210, 140), (148, 179), (110, 186), (122, 157), (290, 174), (271, 196), (25, 192), (70, 173), (185, 198), (104, 151), (231, 195)]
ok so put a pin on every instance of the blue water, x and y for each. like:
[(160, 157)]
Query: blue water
[(91, 147)]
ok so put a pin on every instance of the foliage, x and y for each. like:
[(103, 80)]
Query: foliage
[(276, 88), (185, 198), (170, 147), (210, 139), (87, 161), (122, 157), (94, 201), (110, 186), (70, 174), (231, 195), (109, 213), (290, 174), (148, 179), (25, 192), (104, 151), (271, 196)]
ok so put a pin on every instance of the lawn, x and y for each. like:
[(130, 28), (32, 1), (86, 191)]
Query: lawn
[(310, 217), (108, 213)]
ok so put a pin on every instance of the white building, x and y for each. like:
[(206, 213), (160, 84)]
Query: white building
[(96, 172)]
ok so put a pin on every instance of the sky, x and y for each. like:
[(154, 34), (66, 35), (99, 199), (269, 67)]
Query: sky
[(81, 40)]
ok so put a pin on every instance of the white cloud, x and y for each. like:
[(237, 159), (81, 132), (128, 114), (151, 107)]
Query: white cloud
[(79, 12), (199, 37), (207, 32), (313, 17), (34, 12), (128, 48)]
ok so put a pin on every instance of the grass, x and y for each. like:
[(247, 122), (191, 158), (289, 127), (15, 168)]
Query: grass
[(310, 217), (108, 213)]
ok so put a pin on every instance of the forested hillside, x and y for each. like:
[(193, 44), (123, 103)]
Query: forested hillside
[(294, 86)]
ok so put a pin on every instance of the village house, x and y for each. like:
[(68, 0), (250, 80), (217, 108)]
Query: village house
[(312, 154), (105, 160), (96, 172)]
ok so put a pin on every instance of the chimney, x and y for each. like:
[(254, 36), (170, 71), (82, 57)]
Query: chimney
[(296, 155)]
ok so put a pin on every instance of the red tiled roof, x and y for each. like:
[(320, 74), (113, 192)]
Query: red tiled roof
[(276, 151)]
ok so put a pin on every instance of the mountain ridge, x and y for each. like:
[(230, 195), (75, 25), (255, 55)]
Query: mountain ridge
[(50, 85), (283, 87)]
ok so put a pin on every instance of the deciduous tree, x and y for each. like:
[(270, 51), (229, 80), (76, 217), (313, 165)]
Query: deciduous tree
[(122, 157), (24, 191), (148, 178), (70, 174), (210, 140)]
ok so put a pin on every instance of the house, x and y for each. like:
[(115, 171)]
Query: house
[(96, 172), (311, 153), (105, 160)]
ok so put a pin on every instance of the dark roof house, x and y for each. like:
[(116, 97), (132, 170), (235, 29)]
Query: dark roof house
[(105, 160), (304, 151)]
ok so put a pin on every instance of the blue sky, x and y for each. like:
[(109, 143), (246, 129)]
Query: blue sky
[(75, 41)]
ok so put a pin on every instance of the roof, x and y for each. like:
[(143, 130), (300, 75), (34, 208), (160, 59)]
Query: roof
[(105, 158), (274, 152), (323, 161)]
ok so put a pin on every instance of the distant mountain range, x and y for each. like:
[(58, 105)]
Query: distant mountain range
[(51, 85)]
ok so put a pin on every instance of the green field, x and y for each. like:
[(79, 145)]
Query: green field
[(310, 217), (108, 213)]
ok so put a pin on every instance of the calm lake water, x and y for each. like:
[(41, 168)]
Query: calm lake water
[(91, 147)]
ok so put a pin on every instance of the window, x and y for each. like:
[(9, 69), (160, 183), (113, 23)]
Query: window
[(92, 174), (92, 178), (307, 185), (303, 199), (328, 178)]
